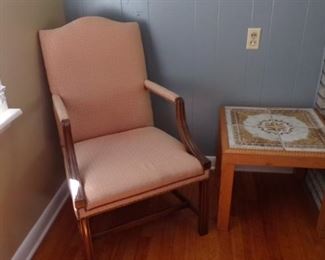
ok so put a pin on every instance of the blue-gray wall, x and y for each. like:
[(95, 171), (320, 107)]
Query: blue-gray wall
[(197, 48)]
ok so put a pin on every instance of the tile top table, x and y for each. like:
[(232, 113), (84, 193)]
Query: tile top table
[(281, 129), (277, 137)]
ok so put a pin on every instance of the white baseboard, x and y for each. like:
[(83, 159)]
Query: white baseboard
[(254, 168), (213, 161), (35, 236)]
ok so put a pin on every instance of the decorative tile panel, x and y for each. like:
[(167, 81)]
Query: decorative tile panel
[(283, 129)]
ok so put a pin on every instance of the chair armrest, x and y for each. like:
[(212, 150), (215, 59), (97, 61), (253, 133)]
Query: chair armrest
[(161, 91), (70, 161), (185, 135), (182, 127), (60, 109)]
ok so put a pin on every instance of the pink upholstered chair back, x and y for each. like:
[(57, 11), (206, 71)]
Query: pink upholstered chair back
[(97, 67)]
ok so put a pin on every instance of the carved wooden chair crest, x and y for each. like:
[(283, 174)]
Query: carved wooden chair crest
[(113, 154)]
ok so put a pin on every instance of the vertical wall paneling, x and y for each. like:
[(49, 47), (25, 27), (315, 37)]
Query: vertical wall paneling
[(205, 56), (197, 48), (73, 9), (311, 55), (110, 9), (256, 60), (231, 53), (287, 23), (171, 27)]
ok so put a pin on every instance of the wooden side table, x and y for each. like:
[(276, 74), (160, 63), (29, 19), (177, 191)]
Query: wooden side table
[(273, 152)]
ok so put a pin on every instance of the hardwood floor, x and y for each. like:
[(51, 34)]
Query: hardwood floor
[(273, 217)]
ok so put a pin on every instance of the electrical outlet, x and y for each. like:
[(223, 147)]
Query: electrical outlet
[(253, 38)]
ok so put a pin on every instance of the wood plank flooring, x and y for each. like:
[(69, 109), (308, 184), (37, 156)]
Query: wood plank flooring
[(273, 217)]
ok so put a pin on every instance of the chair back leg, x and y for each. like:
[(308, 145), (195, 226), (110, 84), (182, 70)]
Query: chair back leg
[(203, 207), (85, 231)]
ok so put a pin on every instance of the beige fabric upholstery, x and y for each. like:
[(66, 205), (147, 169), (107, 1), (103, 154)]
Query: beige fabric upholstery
[(141, 196), (97, 67), (118, 166), (96, 73), (161, 91)]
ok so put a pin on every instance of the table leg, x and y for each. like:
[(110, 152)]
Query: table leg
[(225, 195), (321, 220)]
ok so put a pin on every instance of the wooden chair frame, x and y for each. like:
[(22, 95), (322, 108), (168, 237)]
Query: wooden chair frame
[(77, 191)]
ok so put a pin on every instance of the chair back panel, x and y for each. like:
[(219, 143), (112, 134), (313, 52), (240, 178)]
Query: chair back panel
[(97, 67)]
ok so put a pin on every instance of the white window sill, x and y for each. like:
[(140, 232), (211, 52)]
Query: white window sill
[(8, 116)]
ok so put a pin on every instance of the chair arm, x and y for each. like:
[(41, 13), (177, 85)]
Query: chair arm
[(185, 135), (160, 91), (70, 161), (182, 127), (60, 109)]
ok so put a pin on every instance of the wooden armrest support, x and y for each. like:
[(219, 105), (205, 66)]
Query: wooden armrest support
[(161, 91), (185, 135), (72, 171), (182, 127), (59, 108)]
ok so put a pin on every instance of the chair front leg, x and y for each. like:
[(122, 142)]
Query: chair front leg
[(203, 207), (85, 231)]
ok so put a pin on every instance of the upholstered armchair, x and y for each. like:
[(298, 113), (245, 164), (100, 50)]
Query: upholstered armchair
[(113, 154)]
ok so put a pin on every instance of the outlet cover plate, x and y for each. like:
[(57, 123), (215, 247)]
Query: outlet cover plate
[(253, 38)]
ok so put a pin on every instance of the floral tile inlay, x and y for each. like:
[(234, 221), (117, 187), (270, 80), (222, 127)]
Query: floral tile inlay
[(275, 129)]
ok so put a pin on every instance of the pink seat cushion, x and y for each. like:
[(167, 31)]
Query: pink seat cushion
[(122, 165)]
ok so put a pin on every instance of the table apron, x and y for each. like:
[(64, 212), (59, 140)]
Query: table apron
[(273, 160)]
